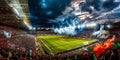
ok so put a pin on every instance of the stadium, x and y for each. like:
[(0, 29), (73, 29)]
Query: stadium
[(59, 30)]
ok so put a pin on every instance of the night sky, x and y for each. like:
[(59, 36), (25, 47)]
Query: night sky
[(41, 11)]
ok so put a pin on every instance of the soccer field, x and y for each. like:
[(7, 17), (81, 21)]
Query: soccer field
[(57, 44)]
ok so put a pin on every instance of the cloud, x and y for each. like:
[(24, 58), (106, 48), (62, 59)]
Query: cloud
[(99, 7)]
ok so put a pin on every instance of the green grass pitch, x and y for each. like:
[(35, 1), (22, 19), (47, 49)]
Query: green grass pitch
[(57, 44)]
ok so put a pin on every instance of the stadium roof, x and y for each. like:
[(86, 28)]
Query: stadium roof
[(14, 13)]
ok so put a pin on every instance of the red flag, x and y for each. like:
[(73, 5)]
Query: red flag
[(99, 49)]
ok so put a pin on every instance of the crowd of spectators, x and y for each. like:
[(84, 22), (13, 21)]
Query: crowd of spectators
[(45, 32), (8, 54), (14, 30), (19, 39), (85, 35)]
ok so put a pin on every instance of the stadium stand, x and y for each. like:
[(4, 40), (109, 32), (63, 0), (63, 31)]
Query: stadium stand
[(23, 47), (112, 53)]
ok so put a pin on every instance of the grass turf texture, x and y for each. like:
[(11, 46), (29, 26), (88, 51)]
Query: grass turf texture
[(57, 44)]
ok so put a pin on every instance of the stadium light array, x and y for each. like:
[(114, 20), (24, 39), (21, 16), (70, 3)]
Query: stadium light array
[(18, 11)]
